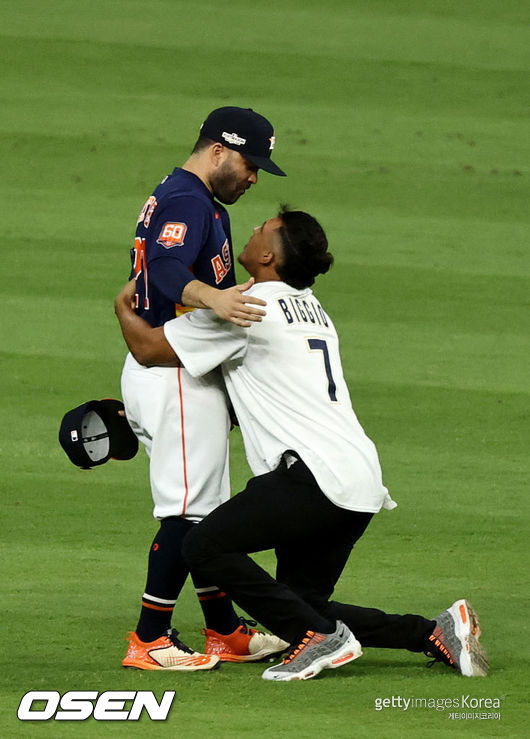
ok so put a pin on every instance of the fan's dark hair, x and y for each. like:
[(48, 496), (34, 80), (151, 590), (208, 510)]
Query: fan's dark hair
[(305, 248)]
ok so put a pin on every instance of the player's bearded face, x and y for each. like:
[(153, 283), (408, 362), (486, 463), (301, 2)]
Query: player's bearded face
[(233, 178)]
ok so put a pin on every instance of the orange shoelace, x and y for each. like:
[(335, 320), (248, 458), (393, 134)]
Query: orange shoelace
[(309, 637), (443, 649)]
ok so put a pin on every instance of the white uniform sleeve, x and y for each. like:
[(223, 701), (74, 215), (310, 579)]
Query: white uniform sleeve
[(202, 340)]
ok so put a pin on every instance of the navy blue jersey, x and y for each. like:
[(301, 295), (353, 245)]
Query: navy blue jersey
[(182, 234)]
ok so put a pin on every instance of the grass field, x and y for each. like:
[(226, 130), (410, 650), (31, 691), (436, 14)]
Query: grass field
[(402, 127)]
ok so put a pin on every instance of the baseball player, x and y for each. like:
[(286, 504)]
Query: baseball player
[(182, 259), (318, 481)]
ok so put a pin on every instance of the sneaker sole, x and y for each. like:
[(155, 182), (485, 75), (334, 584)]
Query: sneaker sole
[(473, 658), (347, 653), (176, 668)]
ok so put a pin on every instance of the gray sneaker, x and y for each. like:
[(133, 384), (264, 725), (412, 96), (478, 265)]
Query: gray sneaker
[(455, 640), (315, 653)]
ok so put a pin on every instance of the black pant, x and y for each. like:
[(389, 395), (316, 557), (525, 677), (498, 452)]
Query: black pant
[(285, 510)]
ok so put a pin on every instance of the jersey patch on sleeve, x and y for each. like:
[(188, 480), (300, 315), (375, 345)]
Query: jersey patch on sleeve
[(172, 234)]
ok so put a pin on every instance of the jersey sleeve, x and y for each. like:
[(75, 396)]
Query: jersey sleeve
[(175, 239), (203, 341)]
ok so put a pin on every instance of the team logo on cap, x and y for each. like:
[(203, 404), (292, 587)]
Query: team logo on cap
[(172, 234), (233, 138)]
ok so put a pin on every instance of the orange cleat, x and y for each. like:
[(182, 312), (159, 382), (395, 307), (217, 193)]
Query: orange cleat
[(165, 653), (242, 645)]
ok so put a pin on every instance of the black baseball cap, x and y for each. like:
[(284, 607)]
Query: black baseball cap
[(245, 131), (94, 432)]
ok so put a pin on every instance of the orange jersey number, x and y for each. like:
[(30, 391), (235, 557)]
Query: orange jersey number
[(140, 268)]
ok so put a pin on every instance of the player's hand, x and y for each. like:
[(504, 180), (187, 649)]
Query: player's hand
[(233, 306)]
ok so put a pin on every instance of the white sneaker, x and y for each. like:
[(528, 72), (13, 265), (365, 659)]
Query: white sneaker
[(315, 653), (455, 640)]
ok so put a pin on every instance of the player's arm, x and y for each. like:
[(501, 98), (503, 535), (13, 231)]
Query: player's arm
[(148, 345), (229, 304), (178, 236)]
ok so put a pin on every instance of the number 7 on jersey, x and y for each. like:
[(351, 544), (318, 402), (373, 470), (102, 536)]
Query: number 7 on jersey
[(319, 345)]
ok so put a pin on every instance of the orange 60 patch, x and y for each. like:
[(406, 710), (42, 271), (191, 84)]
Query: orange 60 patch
[(172, 234)]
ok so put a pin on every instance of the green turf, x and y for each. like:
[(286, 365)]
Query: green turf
[(403, 128)]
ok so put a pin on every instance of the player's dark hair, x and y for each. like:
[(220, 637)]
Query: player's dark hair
[(202, 143), (305, 248)]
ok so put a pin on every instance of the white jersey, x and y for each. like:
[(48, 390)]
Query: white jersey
[(285, 381)]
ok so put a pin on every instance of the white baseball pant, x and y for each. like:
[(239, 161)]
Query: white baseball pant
[(183, 423)]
